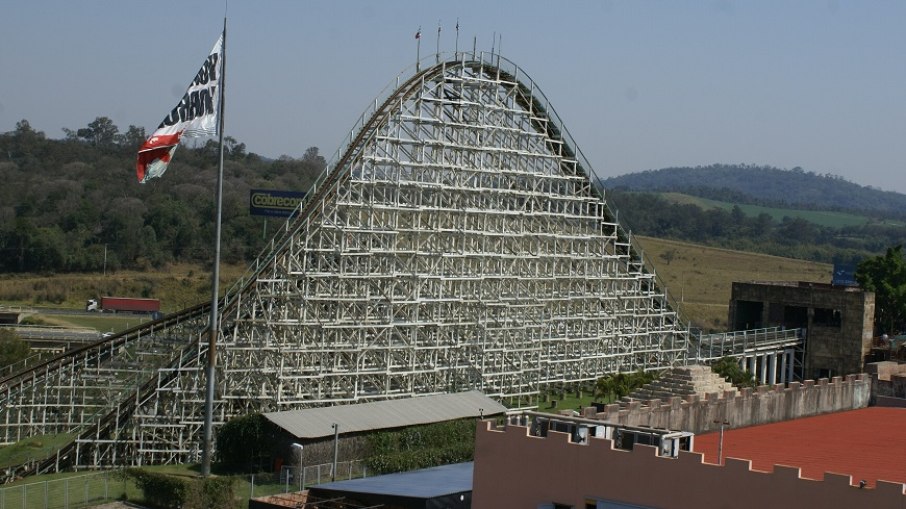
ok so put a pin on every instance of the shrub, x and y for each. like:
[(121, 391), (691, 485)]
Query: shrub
[(12, 348), (162, 491), (422, 446), (728, 367), (244, 441)]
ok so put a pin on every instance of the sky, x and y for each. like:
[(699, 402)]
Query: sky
[(818, 84)]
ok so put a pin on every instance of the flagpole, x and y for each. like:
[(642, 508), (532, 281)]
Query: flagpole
[(456, 51), (214, 329), (418, 48), (437, 51)]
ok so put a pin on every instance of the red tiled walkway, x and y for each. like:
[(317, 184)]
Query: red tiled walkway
[(868, 444)]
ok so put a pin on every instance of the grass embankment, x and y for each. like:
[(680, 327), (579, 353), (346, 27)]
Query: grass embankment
[(32, 449), (699, 278), (177, 286)]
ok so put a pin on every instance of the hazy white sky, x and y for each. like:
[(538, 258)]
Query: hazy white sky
[(640, 85)]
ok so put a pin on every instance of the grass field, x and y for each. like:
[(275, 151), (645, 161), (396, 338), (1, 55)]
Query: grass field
[(820, 217), (699, 278)]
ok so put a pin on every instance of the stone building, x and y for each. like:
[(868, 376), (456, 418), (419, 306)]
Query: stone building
[(837, 321)]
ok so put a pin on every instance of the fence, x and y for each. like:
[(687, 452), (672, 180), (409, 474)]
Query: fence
[(71, 492), (288, 479), (96, 488)]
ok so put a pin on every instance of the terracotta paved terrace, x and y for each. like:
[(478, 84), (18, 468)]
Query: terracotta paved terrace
[(868, 444)]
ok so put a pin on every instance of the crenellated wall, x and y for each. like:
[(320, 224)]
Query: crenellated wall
[(748, 407), (888, 383), (514, 469)]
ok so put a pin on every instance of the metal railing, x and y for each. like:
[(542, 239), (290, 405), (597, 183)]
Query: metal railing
[(289, 480), (24, 364), (709, 347)]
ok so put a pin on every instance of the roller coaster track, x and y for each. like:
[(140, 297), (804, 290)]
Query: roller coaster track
[(86, 357), (103, 349), (307, 326)]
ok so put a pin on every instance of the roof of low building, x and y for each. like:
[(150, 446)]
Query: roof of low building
[(424, 484), (318, 422), (866, 444)]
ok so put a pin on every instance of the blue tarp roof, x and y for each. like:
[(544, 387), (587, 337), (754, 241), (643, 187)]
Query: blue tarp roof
[(425, 483)]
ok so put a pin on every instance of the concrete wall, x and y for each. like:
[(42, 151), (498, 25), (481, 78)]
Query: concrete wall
[(888, 383), (764, 405), (514, 469)]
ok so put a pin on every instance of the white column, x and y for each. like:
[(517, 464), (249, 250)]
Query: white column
[(772, 368), (764, 368)]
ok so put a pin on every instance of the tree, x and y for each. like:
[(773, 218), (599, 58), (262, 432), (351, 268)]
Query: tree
[(313, 158), (243, 442), (885, 275), (618, 385), (25, 130), (233, 148), (132, 139), (102, 132), (12, 348), (728, 367), (668, 255)]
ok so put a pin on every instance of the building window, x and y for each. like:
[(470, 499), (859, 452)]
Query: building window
[(827, 317)]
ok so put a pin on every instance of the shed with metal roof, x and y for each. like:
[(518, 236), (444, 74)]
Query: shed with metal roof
[(308, 437), (312, 423)]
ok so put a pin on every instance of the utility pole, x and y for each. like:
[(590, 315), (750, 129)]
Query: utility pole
[(299, 448), (336, 448), (720, 442)]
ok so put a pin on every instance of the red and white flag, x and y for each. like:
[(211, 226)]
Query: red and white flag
[(195, 116)]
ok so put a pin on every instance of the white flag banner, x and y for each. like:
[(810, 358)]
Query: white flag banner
[(195, 116)]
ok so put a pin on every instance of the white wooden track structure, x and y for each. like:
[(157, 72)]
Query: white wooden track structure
[(457, 241)]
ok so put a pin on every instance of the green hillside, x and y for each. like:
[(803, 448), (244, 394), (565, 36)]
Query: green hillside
[(828, 218), (765, 185)]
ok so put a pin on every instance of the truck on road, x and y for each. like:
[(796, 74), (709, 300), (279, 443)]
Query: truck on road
[(125, 305)]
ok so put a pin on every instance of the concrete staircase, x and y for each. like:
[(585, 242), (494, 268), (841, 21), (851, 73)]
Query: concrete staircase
[(681, 381)]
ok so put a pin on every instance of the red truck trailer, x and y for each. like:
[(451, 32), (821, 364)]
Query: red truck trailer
[(124, 304)]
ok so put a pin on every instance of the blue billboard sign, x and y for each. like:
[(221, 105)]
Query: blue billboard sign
[(270, 202), (845, 274)]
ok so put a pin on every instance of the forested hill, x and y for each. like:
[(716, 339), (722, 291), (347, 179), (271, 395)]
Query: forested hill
[(765, 185), (75, 204)]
